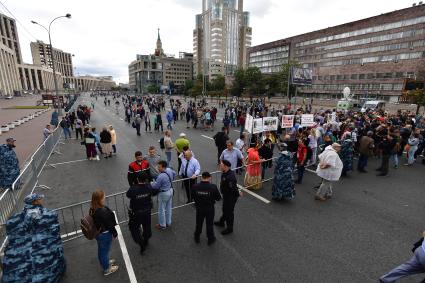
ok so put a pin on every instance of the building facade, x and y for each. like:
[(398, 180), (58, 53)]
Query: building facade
[(38, 79), (221, 38), (160, 70), (9, 78), (9, 36), (373, 56), (42, 55)]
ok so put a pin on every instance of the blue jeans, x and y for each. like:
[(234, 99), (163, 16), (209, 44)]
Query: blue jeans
[(168, 154), (394, 158), (412, 151), (362, 162), (165, 200), (104, 241), (67, 133)]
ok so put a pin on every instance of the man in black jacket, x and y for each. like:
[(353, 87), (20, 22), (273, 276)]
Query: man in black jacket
[(230, 192), (386, 146), (205, 195), (140, 196), (220, 141), (266, 153)]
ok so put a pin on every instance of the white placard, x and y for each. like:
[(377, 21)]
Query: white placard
[(270, 124), (248, 123), (257, 126), (287, 121), (307, 120)]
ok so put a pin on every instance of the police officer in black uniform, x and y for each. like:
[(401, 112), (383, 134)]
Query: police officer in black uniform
[(140, 196), (230, 192), (205, 195)]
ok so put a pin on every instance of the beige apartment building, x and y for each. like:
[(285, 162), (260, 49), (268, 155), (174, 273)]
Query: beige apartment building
[(9, 79), (38, 79), (9, 36)]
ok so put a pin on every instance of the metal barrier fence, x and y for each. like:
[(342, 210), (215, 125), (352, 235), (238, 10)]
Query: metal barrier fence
[(11, 200), (71, 215)]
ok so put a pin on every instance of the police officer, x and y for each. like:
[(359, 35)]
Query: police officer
[(205, 195), (9, 164), (230, 192), (140, 196), (137, 167)]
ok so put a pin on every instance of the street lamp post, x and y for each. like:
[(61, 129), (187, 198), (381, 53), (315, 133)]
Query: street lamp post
[(53, 58)]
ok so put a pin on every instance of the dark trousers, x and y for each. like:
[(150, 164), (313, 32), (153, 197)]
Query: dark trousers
[(138, 129), (300, 171), (362, 162), (140, 218), (148, 125), (219, 152), (228, 216), (78, 131), (385, 163), (188, 185), (179, 162), (208, 214)]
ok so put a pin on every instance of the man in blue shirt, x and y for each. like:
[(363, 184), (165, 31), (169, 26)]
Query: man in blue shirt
[(189, 170), (164, 183), (232, 155)]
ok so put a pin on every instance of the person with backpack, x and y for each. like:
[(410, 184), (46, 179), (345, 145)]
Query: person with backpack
[(104, 221), (140, 196), (220, 140)]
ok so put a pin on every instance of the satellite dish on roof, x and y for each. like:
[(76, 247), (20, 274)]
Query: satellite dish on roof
[(347, 93)]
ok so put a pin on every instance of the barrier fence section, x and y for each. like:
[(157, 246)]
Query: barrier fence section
[(70, 216), (11, 200)]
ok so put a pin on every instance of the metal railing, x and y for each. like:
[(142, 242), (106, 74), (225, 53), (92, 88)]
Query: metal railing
[(11, 200), (70, 216)]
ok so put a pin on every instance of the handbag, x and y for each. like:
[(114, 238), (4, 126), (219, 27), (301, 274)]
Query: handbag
[(417, 244), (90, 140), (133, 124)]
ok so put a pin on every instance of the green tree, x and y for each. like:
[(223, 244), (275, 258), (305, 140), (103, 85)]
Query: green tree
[(417, 96), (239, 83), (254, 81), (218, 83), (188, 85), (153, 88)]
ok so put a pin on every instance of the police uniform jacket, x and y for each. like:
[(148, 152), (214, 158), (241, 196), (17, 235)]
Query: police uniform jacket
[(228, 185), (205, 194), (140, 196)]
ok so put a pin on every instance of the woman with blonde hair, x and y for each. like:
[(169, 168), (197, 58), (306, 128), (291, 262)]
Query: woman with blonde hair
[(104, 220)]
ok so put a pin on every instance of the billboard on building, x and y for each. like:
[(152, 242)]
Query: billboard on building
[(301, 76)]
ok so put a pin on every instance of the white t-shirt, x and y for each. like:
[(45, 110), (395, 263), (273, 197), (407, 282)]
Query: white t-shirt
[(239, 144)]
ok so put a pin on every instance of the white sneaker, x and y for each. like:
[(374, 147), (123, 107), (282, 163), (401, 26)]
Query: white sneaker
[(97, 157), (110, 270), (112, 261)]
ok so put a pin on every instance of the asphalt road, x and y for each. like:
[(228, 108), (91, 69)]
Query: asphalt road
[(364, 231)]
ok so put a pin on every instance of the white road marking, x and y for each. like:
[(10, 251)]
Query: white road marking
[(207, 137), (125, 255), (237, 131), (253, 194), (121, 119), (67, 162), (311, 171)]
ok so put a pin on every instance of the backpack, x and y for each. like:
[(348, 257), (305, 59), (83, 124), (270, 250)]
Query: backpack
[(88, 227), (161, 143)]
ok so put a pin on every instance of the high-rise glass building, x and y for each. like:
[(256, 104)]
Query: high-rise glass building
[(221, 38)]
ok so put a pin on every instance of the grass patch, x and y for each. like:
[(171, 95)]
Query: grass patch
[(27, 107)]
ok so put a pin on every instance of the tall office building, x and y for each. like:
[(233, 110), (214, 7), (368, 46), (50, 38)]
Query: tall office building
[(42, 55), (221, 38)]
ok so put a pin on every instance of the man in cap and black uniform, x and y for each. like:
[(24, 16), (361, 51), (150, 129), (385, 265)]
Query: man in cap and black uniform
[(140, 196), (205, 195), (230, 192)]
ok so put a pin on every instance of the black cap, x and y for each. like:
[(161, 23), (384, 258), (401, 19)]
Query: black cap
[(226, 163), (206, 175)]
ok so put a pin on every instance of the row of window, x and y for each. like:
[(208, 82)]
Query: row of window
[(270, 51), (366, 87), (368, 76), (358, 61), (273, 56), (270, 63), (359, 32)]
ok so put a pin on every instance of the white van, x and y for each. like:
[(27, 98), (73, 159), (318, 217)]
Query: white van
[(373, 105)]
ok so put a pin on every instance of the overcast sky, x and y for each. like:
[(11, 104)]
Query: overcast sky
[(105, 36)]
